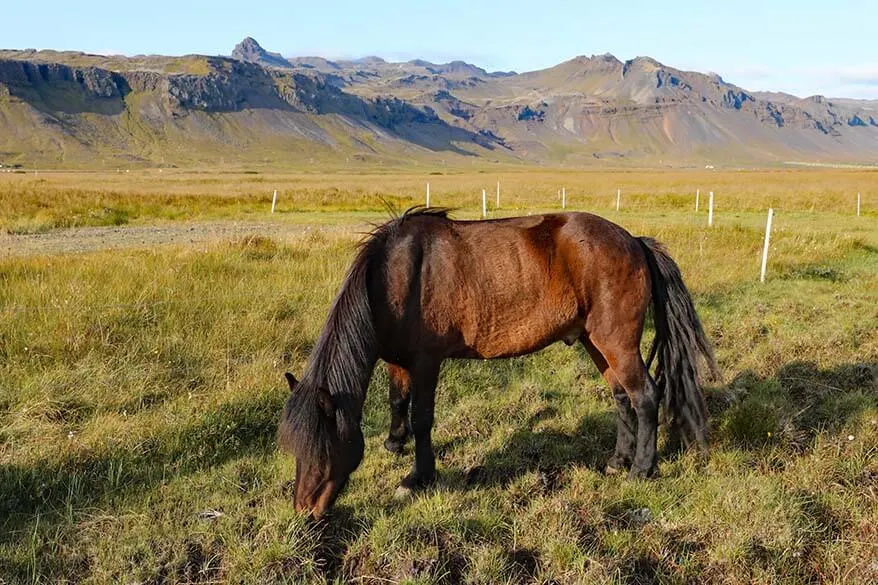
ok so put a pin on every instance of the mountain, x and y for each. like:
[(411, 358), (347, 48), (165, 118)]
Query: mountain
[(70, 108), (250, 51), (197, 109)]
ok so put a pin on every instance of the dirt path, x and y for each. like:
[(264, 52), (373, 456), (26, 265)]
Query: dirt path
[(91, 239)]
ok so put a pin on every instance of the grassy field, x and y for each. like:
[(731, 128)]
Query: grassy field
[(140, 390), (35, 202)]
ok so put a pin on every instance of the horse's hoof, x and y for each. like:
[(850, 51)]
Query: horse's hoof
[(651, 473), (616, 465), (393, 446), (403, 493)]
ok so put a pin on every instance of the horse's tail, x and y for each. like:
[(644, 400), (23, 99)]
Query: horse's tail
[(679, 341)]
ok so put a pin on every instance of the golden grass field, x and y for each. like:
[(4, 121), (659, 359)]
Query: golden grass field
[(140, 390), (39, 201)]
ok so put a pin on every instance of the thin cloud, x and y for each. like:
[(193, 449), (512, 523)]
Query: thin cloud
[(864, 75)]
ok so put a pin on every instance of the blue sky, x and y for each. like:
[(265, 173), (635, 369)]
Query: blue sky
[(799, 46)]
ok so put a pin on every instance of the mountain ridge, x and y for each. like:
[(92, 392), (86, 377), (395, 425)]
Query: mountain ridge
[(66, 107)]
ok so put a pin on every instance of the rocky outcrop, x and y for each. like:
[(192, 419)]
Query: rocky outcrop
[(454, 106), (457, 68), (233, 87), (92, 82), (249, 51)]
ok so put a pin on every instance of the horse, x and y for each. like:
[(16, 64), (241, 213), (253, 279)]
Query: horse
[(424, 288)]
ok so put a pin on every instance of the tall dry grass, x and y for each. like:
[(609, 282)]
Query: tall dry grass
[(42, 201)]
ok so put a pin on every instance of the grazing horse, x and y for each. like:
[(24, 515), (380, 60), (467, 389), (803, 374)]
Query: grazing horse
[(424, 288)]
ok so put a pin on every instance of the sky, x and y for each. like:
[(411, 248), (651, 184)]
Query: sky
[(803, 47)]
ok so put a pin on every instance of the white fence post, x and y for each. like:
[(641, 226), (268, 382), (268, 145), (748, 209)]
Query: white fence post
[(563, 197), (484, 204), (498, 194), (710, 210), (858, 205), (618, 199), (428, 195), (697, 197), (765, 247), (274, 201)]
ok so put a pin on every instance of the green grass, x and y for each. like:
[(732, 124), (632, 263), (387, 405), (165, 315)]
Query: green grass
[(139, 394)]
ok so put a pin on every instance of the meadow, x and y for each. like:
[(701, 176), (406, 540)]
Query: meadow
[(33, 202), (140, 391)]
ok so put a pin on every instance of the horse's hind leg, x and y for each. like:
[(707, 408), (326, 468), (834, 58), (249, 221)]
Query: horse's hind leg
[(400, 388), (627, 367), (631, 372), (626, 419)]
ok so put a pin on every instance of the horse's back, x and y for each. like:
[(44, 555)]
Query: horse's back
[(505, 287)]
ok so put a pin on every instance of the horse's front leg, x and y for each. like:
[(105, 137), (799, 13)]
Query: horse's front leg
[(400, 395), (423, 397)]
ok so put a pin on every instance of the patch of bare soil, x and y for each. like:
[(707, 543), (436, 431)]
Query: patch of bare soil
[(92, 239)]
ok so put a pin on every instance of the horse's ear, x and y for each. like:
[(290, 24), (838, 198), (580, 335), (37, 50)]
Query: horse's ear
[(325, 402), (291, 380)]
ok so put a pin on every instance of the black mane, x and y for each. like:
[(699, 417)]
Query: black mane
[(344, 356)]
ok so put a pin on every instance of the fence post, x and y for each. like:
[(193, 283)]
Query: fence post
[(697, 197), (710, 210), (484, 204), (563, 197), (428, 195), (618, 199), (274, 201), (765, 247), (858, 205)]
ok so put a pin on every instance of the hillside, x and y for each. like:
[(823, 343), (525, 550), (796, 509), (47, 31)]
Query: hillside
[(73, 109)]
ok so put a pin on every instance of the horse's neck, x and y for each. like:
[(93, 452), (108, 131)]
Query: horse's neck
[(344, 366), (346, 351)]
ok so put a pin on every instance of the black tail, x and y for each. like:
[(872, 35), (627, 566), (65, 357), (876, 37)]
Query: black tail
[(679, 341)]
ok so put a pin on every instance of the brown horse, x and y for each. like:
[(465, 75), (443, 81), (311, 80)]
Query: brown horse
[(424, 288)]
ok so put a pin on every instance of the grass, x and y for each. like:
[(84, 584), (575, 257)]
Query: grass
[(139, 392), (192, 64), (34, 202)]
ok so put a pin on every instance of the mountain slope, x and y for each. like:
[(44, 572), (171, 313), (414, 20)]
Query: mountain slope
[(57, 114), (74, 108), (642, 108)]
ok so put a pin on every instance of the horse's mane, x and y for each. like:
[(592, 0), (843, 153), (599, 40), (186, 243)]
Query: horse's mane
[(345, 353)]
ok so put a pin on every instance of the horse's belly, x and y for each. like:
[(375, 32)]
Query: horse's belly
[(523, 334)]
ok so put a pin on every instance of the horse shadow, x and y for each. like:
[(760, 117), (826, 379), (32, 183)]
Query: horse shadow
[(754, 413), (548, 452)]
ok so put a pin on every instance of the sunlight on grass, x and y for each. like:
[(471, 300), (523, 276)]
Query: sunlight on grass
[(140, 389)]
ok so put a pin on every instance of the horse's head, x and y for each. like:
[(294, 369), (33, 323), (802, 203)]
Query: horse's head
[(327, 446)]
